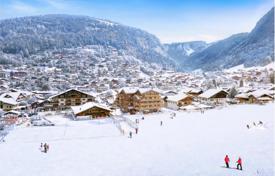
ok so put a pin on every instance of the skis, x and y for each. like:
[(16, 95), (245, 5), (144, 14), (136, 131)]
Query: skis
[(230, 168)]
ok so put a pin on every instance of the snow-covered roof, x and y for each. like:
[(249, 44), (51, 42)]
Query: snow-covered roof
[(177, 97), (210, 93), (12, 112), (244, 89), (86, 106), (129, 90), (10, 98), (259, 93), (193, 90), (144, 90), (170, 92), (68, 91), (242, 95), (132, 90)]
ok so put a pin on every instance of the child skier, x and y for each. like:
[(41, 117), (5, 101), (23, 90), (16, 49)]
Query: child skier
[(239, 164)]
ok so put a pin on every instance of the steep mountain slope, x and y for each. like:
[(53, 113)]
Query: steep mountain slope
[(254, 48), (30, 35), (181, 51)]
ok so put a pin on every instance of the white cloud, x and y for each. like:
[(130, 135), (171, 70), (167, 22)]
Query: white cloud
[(21, 7), (57, 4)]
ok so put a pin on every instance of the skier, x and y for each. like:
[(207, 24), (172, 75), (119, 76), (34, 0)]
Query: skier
[(136, 130), (247, 126), (45, 148), (239, 164), (227, 160), (161, 123), (130, 134)]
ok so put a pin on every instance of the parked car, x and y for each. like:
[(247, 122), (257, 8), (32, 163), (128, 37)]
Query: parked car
[(42, 122)]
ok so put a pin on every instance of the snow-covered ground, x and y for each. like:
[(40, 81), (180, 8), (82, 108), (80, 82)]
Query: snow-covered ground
[(192, 144)]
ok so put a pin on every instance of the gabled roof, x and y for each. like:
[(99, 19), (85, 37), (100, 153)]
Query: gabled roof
[(210, 93), (10, 98), (129, 90), (132, 90), (144, 90), (68, 91), (177, 97), (86, 106), (242, 95), (260, 93), (193, 90), (257, 94)]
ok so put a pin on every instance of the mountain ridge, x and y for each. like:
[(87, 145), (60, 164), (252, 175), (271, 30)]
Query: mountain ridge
[(30, 35), (251, 49), (25, 36)]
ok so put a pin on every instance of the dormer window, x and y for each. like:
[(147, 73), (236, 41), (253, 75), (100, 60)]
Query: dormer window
[(7, 96)]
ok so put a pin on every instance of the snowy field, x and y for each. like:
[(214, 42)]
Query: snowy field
[(191, 144)]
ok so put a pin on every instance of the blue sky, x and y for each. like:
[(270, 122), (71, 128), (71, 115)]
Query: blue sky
[(169, 20)]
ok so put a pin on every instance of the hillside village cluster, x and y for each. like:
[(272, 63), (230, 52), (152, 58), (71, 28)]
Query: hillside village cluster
[(103, 91)]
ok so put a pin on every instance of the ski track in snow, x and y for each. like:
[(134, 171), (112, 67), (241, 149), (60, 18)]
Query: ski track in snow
[(191, 144)]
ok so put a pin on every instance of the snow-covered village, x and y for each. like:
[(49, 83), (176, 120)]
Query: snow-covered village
[(86, 96)]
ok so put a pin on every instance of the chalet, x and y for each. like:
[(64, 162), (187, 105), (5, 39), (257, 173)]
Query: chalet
[(258, 96), (213, 95), (11, 99), (68, 98), (7, 104), (139, 100), (92, 110), (179, 100)]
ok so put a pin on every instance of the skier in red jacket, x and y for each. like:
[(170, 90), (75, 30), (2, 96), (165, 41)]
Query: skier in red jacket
[(239, 164), (227, 160)]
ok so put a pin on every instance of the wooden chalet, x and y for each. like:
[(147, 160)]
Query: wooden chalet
[(91, 110), (213, 95), (258, 96), (179, 100), (68, 98), (139, 100)]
